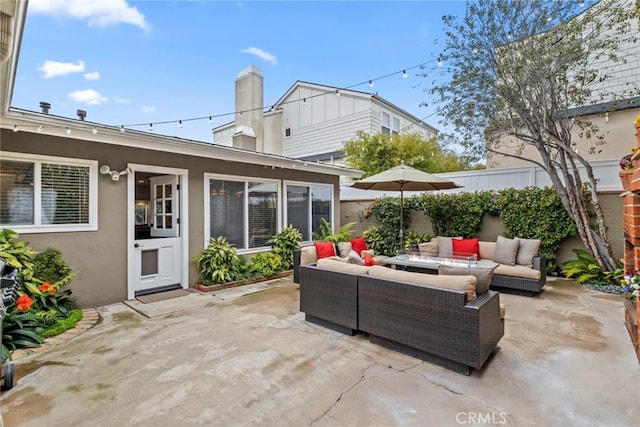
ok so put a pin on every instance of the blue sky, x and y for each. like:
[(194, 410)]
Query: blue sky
[(129, 62)]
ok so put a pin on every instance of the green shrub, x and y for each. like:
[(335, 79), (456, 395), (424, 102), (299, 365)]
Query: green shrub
[(585, 269), (48, 266), (268, 263), (20, 329), (218, 262), (412, 238), (285, 243), (381, 241), (63, 325), (326, 234)]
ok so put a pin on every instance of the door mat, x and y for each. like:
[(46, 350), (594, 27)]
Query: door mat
[(161, 296)]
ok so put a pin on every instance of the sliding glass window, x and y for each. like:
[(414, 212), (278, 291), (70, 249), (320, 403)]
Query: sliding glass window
[(307, 206)]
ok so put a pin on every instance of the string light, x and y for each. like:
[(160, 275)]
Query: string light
[(39, 128), (68, 130), (210, 120), (122, 128), (94, 131), (15, 128), (404, 74), (370, 83), (440, 62), (180, 124), (150, 127)]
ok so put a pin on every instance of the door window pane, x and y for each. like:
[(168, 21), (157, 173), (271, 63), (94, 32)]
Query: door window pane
[(149, 262)]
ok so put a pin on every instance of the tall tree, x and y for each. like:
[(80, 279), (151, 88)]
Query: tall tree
[(376, 153), (517, 70)]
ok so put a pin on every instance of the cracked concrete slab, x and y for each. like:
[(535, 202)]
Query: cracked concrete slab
[(251, 359)]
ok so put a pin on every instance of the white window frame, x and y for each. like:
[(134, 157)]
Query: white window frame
[(308, 184), (237, 178), (37, 161), (392, 130)]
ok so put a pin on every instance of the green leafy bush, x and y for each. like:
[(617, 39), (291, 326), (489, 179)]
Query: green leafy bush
[(268, 263), (19, 329), (48, 266), (454, 214), (412, 238), (218, 262), (585, 269), (285, 243), (326, 234), (63, 325)]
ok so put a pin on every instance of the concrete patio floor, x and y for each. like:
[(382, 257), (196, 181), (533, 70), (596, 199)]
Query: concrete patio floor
[(233, 358)]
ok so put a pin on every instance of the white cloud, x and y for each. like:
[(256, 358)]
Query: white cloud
[(55, 69), (269, 57), (121, 100), (100, 13), (148, 110), (89, 97), (92, 76)]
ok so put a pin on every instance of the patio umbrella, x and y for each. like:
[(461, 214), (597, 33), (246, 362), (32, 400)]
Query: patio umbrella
[(401, 178)]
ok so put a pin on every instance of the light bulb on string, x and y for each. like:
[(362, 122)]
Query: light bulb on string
[(180, 124), (404, 74), (150, 127), (15, 128), (370, 83), (440, 62), (94, 131), (337, 92), (581, 4), (68, 130), (210, 120), (122, 128), (39, 128)]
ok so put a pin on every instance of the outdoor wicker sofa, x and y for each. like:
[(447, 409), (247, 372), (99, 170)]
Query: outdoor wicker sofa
[(449, 327)]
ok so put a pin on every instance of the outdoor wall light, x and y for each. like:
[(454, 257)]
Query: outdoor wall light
[(115, 175)]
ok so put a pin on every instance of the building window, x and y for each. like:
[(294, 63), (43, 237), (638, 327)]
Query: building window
[(307, 205), (287, 132), (390, 124), (47, 194), (244, 211)]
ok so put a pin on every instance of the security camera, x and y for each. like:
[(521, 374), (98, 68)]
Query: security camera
[(115, 175), (105, 169)]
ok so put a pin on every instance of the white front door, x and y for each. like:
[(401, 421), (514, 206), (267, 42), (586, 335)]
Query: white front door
[(157, 257)]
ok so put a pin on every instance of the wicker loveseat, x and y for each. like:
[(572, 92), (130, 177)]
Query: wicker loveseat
[(438, 318), (521, 269)]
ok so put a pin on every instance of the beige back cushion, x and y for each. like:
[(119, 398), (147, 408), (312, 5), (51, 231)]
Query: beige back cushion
[(483, 275), (308, 255), (527, 249), (506, 251), (486, 249), (429, 248), (336, 264), (460, 283), (344, 248)]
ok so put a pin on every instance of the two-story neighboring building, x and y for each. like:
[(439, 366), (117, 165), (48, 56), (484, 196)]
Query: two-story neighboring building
[(611, 107), (311, 121)]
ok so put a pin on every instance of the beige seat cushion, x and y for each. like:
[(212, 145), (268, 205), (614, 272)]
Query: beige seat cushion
[(503, 311), (336, 264), (517, 271), (379, 258), (487, 249), (460, 283), (308, 255)]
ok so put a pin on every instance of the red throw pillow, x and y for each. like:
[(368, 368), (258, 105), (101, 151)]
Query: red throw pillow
[(369, 261), (466, 246), (359, 245), (325, 249)]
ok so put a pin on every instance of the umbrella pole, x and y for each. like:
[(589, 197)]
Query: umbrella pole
[(401, 233)]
